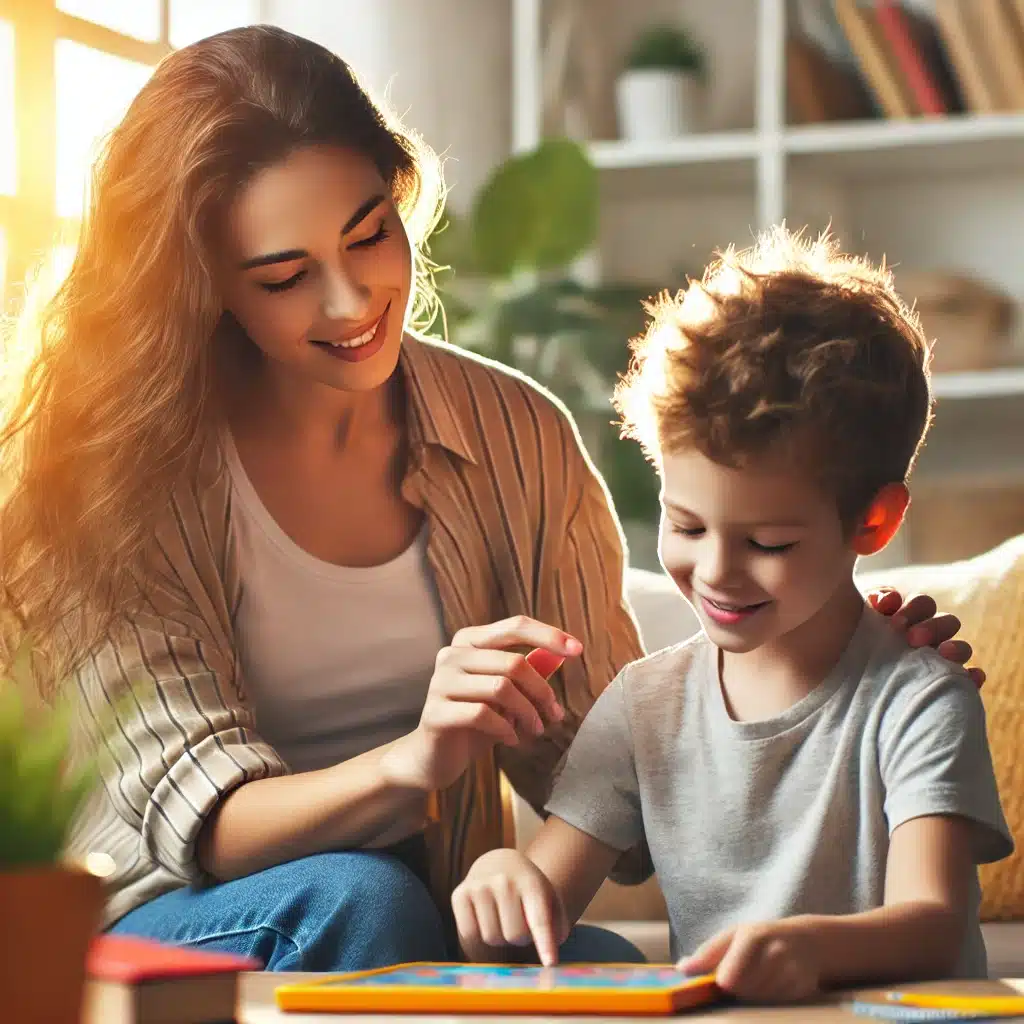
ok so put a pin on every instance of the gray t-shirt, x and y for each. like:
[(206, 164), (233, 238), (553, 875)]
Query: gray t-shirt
[(755, 821)]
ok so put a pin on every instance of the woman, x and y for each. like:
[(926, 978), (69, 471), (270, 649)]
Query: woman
[(311, 648)]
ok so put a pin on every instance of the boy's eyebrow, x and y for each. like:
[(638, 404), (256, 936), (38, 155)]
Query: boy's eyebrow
[(674, 506), (289, 255)]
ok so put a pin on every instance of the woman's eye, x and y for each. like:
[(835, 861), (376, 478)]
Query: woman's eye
[(375, 239), (689, 531), (772, 549), (283, 286)]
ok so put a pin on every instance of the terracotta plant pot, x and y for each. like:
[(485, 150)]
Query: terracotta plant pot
[(48, 915)]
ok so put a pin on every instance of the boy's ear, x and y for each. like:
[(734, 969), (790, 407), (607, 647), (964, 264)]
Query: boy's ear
[(883, 518)]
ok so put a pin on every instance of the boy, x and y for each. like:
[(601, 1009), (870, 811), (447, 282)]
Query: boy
[(815, 794)]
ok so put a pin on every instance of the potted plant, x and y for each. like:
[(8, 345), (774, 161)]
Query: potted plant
[(49, 909), (657, 91), (509, 291)]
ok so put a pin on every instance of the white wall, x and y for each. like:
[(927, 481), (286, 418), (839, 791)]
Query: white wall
[(444, 65)]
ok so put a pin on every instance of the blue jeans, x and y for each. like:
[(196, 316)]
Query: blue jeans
[(346, 911)]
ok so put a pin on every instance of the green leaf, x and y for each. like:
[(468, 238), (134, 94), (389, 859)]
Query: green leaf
[(538, 211), (667, 48), (451, 244)]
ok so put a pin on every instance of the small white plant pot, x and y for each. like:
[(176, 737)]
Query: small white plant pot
[(655, 105)]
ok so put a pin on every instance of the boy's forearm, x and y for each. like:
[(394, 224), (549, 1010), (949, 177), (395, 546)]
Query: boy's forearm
[(574, 863), (893, 943)]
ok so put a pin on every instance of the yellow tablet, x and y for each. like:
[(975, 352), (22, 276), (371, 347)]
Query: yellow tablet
[(629, 989)]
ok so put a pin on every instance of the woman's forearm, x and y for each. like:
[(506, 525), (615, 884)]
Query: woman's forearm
[(270, 821)]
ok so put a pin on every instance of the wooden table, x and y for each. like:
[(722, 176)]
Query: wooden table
[(257, 1006)]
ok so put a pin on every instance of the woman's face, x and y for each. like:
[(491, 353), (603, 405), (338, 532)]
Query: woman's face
[(316, 266)]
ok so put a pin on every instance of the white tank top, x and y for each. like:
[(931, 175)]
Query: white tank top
[(335, 660)]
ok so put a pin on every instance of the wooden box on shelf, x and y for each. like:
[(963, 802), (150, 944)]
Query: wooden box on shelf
[(946, 524), (969, 320)]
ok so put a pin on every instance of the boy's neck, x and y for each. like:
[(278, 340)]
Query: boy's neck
[(766, 681)]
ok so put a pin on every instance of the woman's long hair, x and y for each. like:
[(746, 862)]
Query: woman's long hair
[(108, 381)]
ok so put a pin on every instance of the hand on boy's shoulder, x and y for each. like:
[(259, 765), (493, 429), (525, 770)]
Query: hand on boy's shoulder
[(921, 625)]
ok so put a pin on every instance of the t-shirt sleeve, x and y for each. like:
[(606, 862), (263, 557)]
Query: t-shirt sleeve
[(935, 759), (597, 791)]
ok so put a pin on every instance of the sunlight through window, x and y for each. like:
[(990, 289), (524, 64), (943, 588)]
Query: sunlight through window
[(3, 269), (137, 18), (85, 116), (196, 19), (8, 155), (61, 259)]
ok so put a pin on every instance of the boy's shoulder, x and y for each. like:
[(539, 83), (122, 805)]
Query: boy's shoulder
[(662, 676), (897, 677)]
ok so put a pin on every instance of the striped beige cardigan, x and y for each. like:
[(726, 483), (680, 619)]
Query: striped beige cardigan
[(518, 521)]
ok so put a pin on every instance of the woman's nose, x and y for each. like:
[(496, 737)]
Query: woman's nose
[(344, 297)]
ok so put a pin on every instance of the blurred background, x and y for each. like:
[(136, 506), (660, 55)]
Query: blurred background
[(598, 151)]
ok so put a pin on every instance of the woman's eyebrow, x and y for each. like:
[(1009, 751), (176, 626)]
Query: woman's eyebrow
[(287, 255), (362, 213)]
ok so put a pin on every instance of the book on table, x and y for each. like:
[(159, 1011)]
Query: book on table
[(138, 981)]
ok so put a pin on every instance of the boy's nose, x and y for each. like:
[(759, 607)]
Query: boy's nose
[(714, 564)]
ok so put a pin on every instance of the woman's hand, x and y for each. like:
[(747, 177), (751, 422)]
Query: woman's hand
[(775, 962), (506, 900), (481, 694), (918, 621)]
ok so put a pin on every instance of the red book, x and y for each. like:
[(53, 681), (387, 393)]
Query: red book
[(138, 981), (899, 34)]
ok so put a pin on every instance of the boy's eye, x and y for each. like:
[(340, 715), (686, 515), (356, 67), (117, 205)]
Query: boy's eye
[(772, 549), (688, 531), (283, 286)]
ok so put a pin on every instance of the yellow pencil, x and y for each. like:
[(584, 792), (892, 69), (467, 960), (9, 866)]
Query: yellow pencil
[(996, 1005)]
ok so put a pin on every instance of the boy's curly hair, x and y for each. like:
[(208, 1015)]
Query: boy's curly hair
[(789, 341)]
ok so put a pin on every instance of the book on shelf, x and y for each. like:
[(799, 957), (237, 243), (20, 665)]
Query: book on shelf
[(881, 72), (1001, 38), (959, 32), (966, 57), (138, 981), (918, 52), (819, 88)]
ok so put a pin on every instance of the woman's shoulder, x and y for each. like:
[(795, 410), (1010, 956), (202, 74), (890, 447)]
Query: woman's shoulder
[(477, 387)]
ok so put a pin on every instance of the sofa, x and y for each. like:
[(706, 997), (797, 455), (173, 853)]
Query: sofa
[(987, 593)]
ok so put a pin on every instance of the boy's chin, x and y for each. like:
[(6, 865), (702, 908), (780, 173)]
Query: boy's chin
[(730, 643), (734, 641)]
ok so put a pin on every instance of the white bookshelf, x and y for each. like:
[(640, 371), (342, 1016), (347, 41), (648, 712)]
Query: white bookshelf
[(926, 193)]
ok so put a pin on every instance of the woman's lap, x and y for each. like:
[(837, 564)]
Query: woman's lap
[(344, 911), (350, 910)]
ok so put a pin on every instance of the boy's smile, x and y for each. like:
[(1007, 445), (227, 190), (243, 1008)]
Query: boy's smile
[(759, 550), (728, 613)]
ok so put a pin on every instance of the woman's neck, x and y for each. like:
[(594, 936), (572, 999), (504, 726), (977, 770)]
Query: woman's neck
[(266, 401)]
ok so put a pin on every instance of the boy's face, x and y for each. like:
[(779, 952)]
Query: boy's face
[(757, 551)]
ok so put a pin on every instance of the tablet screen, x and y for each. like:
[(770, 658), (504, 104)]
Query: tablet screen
[(482, 976)]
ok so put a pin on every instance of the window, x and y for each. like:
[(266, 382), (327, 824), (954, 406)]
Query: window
[(68, 71), (3, 266), (8, 154)]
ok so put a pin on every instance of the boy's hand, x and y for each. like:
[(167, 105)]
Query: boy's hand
[(774, 962), (506, 900)]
